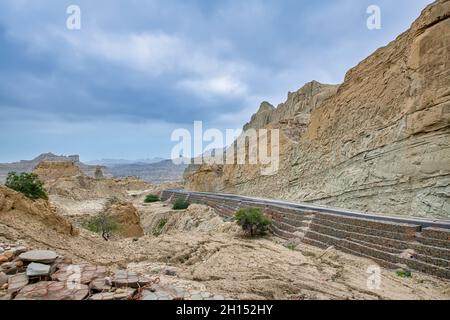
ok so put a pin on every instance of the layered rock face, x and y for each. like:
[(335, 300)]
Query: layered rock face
[(379, 142), (52, 170)]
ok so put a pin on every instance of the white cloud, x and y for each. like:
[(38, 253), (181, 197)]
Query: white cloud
[(221, 86)]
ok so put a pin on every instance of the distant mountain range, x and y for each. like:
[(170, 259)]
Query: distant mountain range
[(155, 170), (114, 162), (29, 165), (162, 171)]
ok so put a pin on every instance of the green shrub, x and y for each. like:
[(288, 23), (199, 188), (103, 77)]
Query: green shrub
[(291, 246), (180, 205), (252, 221), (404, 274), (159, 227), (28, 184), (151, 198), (101, 223)]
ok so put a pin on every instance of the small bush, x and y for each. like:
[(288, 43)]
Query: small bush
[(252, 221), (159, 227), (291, 246), (27, 184), (180, 205), (404, 274), (101, 223), (151, 198)]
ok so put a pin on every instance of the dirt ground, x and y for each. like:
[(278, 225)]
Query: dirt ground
[(207, 253)]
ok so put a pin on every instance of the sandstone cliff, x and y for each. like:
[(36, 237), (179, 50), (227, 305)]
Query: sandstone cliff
[(379, 142)]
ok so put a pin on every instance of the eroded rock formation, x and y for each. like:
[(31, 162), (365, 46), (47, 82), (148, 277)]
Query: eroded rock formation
[(379, 142)]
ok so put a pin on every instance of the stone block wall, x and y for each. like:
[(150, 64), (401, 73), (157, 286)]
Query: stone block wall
[(421, 245)]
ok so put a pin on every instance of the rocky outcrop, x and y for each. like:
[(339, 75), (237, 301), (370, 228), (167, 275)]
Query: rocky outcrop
[(126, 216), (379, 142), (16, 211), (48, 171)]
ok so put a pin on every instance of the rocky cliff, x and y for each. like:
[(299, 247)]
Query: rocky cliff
[(379, 142)]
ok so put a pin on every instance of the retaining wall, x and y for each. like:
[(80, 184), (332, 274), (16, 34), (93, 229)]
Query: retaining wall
[(382, 241)]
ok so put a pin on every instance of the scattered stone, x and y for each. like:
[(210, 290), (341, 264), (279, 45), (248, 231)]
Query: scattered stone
[(107, 296), (9, 254), (17, 282), (19, 250), (38, 270), (40, 256), (84, 272), (118, 295), (408, 254), (3, 279), (101, 284), (60, 262), (128, 279), (3, 259), (53, 290), (169, 271), (11, 270), (122, 294), (8, 265), (164, 292)]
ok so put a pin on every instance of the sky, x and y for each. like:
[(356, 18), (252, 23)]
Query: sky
[(137, 70)]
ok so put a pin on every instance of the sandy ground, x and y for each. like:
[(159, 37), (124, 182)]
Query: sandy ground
[(211, 254)]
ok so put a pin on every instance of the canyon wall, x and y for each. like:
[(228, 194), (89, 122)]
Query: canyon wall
[(379, 142)]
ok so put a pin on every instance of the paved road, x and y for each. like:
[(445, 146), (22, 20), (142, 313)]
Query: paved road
[(436, 223)]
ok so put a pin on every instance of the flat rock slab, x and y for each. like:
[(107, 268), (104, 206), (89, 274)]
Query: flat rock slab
[(203, 295), (53, 290), (38, 270), (164, 292), (40, 256), (82, 273), (121, 294), (100, 284), (128, 279), (17, 282)]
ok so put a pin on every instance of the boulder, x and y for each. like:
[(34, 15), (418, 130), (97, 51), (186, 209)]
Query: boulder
[(38, 270), (39, 256)]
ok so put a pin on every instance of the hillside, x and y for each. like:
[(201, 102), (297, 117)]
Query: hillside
[(379, 142)]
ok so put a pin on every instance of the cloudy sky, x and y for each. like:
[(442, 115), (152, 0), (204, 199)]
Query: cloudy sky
[(139, 69)]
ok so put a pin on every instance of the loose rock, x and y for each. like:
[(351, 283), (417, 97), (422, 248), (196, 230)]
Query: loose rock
[(129, 279), (100, 284), (38, 270), (17, 282), (3, 279), (40, 256)]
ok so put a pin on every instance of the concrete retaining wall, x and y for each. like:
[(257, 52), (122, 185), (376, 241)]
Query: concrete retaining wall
[(382, 241)]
